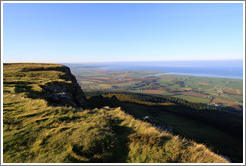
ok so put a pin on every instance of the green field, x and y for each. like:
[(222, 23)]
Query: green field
[(218, 92)]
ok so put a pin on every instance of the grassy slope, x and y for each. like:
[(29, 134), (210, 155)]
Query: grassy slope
[(34, 131), (220, 139)]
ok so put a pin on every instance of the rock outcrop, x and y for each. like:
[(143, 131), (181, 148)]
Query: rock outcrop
[(66, 93), (158, 125)]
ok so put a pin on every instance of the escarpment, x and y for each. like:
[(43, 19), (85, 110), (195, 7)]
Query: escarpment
[(67, 93), (43, 123), (53, 82)]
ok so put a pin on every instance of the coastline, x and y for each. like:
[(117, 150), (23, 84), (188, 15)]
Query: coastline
[(222, 75)]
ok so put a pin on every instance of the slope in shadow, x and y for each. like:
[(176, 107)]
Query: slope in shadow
[(204, 117)]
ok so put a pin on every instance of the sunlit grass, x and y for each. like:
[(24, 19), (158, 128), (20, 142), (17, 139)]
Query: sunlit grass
[(37, 132)]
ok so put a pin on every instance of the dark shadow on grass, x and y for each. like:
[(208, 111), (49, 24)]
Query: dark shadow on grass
[(111, 149), (43, 69), (55, 93), (25, 87), (18, 82), (228, 122), (118, 153), (10, 104)]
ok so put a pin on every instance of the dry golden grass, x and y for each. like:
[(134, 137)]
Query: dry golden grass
[(67, 135), (34, 132)]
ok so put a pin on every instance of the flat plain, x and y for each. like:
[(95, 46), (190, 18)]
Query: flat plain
[(212, 91)]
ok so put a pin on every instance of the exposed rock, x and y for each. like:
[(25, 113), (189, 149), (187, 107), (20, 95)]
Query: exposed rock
[(158, 125), (78, 94), (148, 119), (106, 107), (227, 158), (64, 93)]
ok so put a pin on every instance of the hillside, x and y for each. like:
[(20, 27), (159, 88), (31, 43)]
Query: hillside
[(47, 118)]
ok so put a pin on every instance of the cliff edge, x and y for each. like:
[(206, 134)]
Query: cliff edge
[(43, 123), (52, 82)]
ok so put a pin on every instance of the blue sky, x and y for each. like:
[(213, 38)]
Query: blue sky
[(122, 32)]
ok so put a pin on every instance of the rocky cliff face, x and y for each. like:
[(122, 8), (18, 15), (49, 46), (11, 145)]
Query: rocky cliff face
[(66, 93), (78, 96)]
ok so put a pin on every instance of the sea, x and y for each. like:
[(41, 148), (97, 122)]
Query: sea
[(219, 68)]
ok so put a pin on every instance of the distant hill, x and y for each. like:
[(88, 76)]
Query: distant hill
[(48, 119)]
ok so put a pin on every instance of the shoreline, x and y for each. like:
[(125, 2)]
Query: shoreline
[(197, 75), (176, 73)]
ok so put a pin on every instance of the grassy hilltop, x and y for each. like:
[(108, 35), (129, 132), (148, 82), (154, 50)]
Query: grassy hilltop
[(58, 127)]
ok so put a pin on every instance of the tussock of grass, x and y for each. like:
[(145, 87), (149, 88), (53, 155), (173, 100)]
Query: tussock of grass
[(99, 135), (35, 132)]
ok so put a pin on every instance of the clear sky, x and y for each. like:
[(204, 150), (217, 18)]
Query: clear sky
[(122, 32)]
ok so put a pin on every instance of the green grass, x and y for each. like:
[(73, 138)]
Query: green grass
[(193, 99), (221, 141), (34, 131), (63, 134)]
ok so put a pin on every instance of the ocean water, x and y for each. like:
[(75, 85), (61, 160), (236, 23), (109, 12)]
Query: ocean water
[(223, 69)]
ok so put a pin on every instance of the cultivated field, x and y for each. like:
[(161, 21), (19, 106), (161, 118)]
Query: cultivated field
[(216, 92)]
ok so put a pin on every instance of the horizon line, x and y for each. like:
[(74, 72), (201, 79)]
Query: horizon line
[(133, 61)]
